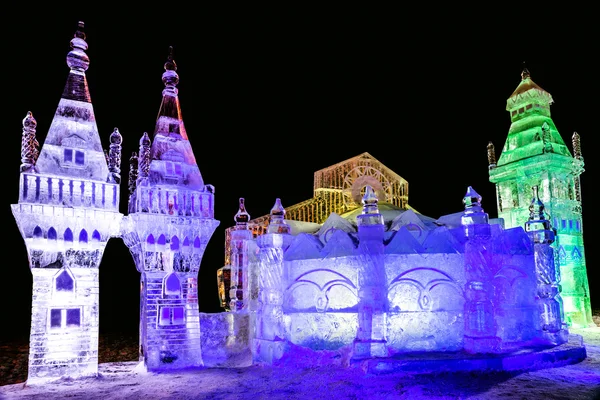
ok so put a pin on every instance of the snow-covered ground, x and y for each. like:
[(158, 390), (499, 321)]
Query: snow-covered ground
[(124, 381)]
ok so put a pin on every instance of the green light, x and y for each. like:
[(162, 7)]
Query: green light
[(535, 154)]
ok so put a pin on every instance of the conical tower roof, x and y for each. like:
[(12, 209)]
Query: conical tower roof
[(72, 146), (172, 159), (532, 131)]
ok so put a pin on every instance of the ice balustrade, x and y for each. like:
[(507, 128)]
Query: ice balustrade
[(64, 191), (176, 201)]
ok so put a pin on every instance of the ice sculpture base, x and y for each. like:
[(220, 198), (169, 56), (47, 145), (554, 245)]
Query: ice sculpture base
[(369, 348), (270, 351), (527, 359), (225, 339)]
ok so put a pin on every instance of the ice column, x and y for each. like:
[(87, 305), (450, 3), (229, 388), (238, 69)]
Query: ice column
[(269, 342), (480, 326), (548, 290), (370, 338), (239, 259)]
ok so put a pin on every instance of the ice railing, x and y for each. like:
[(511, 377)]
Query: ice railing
[(177, 202), (70, 192)]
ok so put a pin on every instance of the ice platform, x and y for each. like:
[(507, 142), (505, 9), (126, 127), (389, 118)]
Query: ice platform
[(525, 359)]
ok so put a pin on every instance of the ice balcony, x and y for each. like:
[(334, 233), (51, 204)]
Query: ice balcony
[(69, 192)]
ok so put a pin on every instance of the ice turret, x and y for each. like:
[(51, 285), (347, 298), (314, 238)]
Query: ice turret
[(535, 154), (170, 221), (67, 212)]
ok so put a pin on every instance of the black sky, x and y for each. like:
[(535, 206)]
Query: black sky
[(269, 100)]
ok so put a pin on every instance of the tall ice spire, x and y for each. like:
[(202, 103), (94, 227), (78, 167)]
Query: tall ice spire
[(72, 146), (172, 158)]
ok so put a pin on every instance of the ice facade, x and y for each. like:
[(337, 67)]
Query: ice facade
[(380, 280), (535, 154), (381, 289)]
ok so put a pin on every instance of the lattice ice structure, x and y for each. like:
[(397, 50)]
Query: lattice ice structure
[(339, 189)]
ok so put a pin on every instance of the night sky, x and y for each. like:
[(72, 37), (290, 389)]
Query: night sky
[(268, 101)]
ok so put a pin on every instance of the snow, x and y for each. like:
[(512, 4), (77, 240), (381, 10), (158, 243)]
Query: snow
[(580, 381)]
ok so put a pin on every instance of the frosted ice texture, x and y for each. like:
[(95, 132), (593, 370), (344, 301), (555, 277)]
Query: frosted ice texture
[(470, 287), (381, 288), (170, 220), (67, 211)]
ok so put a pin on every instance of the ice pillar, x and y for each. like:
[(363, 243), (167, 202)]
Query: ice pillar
[(480, 325), (270, 342), (548, 297), (239, 259), (370, 338)]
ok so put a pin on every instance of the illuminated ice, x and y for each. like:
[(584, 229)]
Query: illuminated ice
[(385, 288), (67, 211), (371, 285), (169, 222)]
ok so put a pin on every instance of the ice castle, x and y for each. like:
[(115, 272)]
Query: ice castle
[(357, 275)]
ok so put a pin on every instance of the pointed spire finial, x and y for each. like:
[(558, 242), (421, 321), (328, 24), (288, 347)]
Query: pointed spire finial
[(277, 222), (474, 213), (370, 201), (472, 199), (242, 217), (170, 77), (525, 72), (77, 59)]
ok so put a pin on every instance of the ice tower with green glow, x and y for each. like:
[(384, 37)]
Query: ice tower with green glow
[(535, 154)]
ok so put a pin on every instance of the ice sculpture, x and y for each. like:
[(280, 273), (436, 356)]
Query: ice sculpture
[(169, 223), (535, 154), (355, 268), (68, 209), (382, 290)]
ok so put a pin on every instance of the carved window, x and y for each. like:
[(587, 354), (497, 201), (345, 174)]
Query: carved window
[(171, 314), (73, 157), (61, 318)]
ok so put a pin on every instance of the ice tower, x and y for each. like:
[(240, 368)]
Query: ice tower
[(170, 221), (535, 154), (68, 209)]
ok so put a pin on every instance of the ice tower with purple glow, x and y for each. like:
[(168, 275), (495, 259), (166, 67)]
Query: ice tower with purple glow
[(169, 223), (535, 154), (68, 209)]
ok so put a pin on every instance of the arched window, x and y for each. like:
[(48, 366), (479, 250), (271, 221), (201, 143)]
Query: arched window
[(186, 241), (83, 236), (37, 232), (150, 239), (96, 236), (161, 240), (171, 285), (52, 234), (68, 237), (197, 242), (174, 243), (172, 314), (63, 281)]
